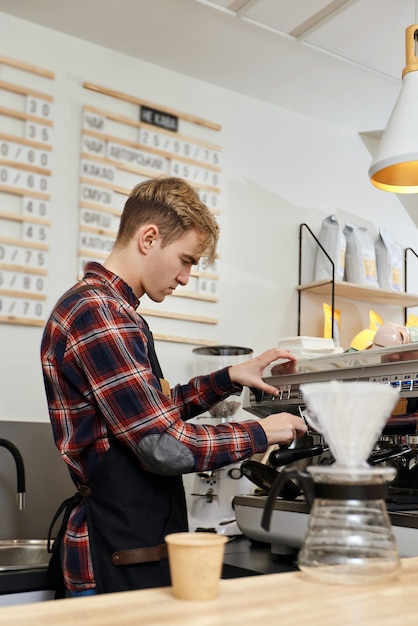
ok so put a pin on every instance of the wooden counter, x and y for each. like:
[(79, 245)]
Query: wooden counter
[(285, 599)]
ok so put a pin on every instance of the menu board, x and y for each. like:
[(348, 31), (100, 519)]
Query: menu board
[(118, 151), (26, 125)]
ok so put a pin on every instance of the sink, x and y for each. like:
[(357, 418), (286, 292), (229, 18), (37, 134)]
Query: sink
[(17, 554)]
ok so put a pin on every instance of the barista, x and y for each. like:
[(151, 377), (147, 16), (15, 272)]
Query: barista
[(122, 433)]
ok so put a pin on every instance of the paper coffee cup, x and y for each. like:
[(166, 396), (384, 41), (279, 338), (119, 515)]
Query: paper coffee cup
[(195, 564)]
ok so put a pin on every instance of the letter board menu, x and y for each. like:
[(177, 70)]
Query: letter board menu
[(129, 141), (26, 125)]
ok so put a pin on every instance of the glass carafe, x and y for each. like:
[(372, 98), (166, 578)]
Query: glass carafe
[(349, 537)]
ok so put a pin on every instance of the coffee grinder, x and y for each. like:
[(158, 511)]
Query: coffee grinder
[(213, 491)]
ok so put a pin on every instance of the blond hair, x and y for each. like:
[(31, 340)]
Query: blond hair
[(175, 207)]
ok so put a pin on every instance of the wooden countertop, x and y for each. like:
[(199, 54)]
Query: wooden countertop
[(285, 599)]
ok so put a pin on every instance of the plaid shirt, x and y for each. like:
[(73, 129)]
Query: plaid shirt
[(98, 379)]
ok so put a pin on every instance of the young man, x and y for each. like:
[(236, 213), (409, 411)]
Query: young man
[(123, 434)]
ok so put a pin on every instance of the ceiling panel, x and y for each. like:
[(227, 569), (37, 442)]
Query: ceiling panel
[(283, 15), (369, 32)]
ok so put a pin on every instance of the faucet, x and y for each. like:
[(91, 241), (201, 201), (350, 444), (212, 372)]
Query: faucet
[(20, 471)]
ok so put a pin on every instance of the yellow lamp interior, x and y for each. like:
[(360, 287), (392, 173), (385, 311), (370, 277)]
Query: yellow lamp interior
[(398, 178)]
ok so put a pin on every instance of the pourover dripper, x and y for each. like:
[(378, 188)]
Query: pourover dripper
[(349, 537)]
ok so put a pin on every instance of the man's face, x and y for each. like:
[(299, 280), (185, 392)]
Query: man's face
[(170, 266)]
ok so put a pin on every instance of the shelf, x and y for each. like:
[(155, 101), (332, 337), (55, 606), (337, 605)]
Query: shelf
[(351, 291)]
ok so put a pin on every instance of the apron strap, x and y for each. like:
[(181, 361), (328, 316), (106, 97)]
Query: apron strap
[(54, 576), (152, 355)]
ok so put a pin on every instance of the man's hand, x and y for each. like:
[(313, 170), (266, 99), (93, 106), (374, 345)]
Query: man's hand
[(250, 372), (283, 427)]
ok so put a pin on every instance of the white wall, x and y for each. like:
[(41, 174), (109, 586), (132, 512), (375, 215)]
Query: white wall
[(279, 169)]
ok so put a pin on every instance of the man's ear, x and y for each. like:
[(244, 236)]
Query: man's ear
[(147, 236)]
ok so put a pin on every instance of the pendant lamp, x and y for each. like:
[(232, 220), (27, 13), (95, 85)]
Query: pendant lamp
[(395, 166)]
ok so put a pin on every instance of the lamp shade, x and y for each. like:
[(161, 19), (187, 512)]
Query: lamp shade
[(395, 166)]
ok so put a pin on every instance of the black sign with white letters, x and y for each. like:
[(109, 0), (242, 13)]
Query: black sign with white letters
[(159, 118)]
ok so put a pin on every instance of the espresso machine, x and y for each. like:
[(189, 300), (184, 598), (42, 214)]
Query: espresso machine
[(396, 447)]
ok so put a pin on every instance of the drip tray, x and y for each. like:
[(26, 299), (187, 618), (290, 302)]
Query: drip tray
[(402, 510), (402, 503)]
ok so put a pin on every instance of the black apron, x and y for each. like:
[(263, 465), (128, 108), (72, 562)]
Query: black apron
[(128, 509), (129, 512)]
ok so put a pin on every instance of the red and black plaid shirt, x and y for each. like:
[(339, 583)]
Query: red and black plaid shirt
[(98, 379)]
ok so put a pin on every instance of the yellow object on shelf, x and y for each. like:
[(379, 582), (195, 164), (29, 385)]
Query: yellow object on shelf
[(331, 324), (375, 320), (363, 340), (412, 320)]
